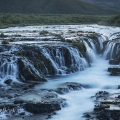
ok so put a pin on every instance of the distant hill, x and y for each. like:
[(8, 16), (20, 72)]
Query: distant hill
[(113, 4), (52, 7)]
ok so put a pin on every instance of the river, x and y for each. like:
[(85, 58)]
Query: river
[(79, 102), (95, 78)]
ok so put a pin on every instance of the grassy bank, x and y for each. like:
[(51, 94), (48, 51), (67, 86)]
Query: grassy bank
[(9, 20)]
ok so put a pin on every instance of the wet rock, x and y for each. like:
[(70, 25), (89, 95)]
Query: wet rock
[(44, 102), (113, 62), (8, 82), (69, 86), (114, 70), (87, 115), (101, 107), (26, 72), (101, 94), (106, 107), (18, 101)]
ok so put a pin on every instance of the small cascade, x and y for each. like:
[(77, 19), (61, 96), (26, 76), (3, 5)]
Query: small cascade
[(64, 59), (8, 69), (110, 51), (101, 39), (55, 57), (94, 46), (90, 53), (77, 59)]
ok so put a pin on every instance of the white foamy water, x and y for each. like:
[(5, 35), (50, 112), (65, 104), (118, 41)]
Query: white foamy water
[(33, 31), (96, 76), (80, 101)]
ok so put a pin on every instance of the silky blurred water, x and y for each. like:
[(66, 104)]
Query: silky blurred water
[(79, 102)]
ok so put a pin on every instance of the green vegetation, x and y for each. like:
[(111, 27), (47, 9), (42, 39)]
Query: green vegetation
[(114, 20), (80, 46), (2, 35), (11, 20), (43, 32), (5, 42)]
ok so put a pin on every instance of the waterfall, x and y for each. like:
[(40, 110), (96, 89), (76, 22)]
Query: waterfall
[(101, 39), (90, 53), (93, 46), (8, 69), (64, 59), (110, 51)]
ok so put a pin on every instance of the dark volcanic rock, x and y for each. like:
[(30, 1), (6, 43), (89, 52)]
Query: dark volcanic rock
[(114, 70), (106, 107), (113, 62), (28, 72), (45, 102), (69, 86), (8, 81)]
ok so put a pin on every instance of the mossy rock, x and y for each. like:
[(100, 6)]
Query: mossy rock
[(27, 73), (5, 42), (44, 32), (80, 46), (2, 35), (105, 43)]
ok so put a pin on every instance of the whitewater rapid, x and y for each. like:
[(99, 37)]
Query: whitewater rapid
[(96, 77), (79, 102)]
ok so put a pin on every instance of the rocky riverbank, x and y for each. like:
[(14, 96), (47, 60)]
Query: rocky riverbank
[(29, 56)]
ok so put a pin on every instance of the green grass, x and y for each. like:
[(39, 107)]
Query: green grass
[(11, 20), (80, 46)]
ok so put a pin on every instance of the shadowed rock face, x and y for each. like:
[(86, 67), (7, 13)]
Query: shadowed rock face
[(32, 62)]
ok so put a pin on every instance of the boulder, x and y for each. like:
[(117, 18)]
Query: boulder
[(8, 81), (114, 70)]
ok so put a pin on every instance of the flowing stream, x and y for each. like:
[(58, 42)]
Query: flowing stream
[(96, 77), (79, 102)]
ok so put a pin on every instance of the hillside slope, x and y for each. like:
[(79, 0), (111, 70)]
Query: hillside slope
[(52, 7), (113, 4)]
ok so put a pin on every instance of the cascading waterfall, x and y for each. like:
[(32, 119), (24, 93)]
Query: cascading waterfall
[(110, 51), (92, 49), (101, 39), (63, 59), (59, 59), (89, 52), (8, 69), (78, 62), (28, 61)]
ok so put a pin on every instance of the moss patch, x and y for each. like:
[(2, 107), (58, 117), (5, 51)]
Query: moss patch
[(80, 46)]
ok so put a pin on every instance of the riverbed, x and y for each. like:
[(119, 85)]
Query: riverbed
[(93, 76)]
